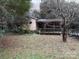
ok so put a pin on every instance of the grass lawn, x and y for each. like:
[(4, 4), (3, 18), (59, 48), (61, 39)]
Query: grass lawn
[(38, 47)]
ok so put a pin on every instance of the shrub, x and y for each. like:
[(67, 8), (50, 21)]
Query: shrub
[(20, 30), (2, 32)]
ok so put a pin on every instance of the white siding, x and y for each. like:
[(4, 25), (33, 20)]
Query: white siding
[(32, 25)]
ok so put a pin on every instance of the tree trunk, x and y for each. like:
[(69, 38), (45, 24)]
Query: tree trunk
[(64, 34)]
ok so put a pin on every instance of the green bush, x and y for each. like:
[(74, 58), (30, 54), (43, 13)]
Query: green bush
[(2, 32), (20, 30)]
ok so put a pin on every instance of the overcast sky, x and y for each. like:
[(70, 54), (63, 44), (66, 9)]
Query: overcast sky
[(36, 4)]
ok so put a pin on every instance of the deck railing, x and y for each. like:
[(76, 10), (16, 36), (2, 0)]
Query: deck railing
[(50, 30)]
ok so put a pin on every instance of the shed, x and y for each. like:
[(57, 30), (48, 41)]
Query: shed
[(53, 26)]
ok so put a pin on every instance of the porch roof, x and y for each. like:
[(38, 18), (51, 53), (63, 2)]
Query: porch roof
[(49, 20)]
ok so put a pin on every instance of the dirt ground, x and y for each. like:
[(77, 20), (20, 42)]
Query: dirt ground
[(38, 47)]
